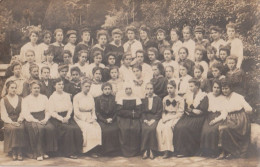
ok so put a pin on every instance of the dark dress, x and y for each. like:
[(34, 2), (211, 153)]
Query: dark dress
[(13, 136), (129, 124), (118, 51), (160, 86), (149, 139), (205, 85), (146, 45), (105, 74), (57, 52), (74, 88), (237, 80), (187, 131), (161, 47), (80, 46), (47, 90), (106, 108)]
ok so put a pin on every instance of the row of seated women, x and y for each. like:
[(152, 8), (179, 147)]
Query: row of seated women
[(214, 124)]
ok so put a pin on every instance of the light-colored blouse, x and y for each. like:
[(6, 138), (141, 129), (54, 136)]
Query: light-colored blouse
[(236, 102)]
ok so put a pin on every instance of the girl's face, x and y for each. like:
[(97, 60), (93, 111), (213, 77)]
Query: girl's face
[(30, 57), (17, 70), (59, 86), (85, 88), (85, 37), (47, 39), (130, 35), (193, 88), (73, 38), (156, 71), (216, 72), (97, 75), (198, 55), (223, 55), (231, 64), (174, 36), (215, 35), (151, 56), (186, 34), (75, 76), (12, 89), (143, 35), (114, 74), (231, 33), (45, 74), (102, 40), (111, 60), (183, 71), (198, 35), (66, 58), (137, 72), (117, 38), (167, 55), (83, 57), (49, 57), (107, 90), (226, 91), (183, 54), (35, 73), (59, 37), (210, 55), (98, 59), (170, 89), (197, 73), (63, 72), (216, 89), (140, 57), (34, 38), (149, 90), (35, 89), (168, 72), (128, 91), (160, 36), (127, 61)]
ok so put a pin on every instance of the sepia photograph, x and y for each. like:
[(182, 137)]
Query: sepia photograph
[(130, 83)]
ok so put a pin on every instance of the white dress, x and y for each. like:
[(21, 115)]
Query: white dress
[(84, 111)]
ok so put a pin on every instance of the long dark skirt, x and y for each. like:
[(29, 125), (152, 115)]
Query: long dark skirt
[(14, 137), (210, 136), (235, 133), (69, 136), (110, 137), (149, 139), (129, 136), (186, 134), (42, 138)]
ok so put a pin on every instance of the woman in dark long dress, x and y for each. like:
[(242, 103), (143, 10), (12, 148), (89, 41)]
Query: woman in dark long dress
[(151, 114), (187, 131), (215, 116), (234, 133), (14, 132), (68, 133), (128, 120), (42, 137), (57, 47), (106, 117)]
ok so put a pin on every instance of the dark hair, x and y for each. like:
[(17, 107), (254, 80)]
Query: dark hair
[(225, 48), (77, 69), (15, 63), (169, 66), (48, 52), (95, 69), (62, 66), (232, 57), (195, 81), (85, 80), (226, 83), (32, 66), (198, 66), (154, 50), (211, 49), (217, 81), (105, 85), (56, 31), (45, 67), (138, 66), (186, 50), (172, 82), (160, 68), (139, 51), (218, 65), (57, 80), (176, 30), (102, 32), (184, 64), (112, 68), (126, 54), (67, 52), (83, 51), (33, 82), (168, 48), (8, 84)]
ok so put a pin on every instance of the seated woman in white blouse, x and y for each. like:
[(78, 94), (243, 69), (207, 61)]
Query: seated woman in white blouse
[(85, 116), (41, 133), (14, 133), (67, 131)]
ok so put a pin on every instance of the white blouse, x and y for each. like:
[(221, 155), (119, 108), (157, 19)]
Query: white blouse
[(236, 102), (237, 50), (190, 45), (216, 103)]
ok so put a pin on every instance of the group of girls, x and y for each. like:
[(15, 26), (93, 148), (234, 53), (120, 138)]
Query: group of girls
[(141, 97)]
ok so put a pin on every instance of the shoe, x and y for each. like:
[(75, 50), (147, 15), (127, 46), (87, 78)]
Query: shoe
[(39, 158), (145, 156), (166, 155), (180, 156), (73, 157), (20, 157), (45, 156), (229, 157), (151, 155), (15, 157), (94, 155), (221, 156)]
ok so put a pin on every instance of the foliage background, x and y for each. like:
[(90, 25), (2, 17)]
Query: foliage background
[(16, 15)]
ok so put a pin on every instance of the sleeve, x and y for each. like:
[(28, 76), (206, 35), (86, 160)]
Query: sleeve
[(75, 56), (51, 109), (70, 106), (76, 107), (4, 114), (93, 112), (22, 54), (181, 107), (239, 52), (159, 109), (97, 108), (47, 113), (203, 106), (26, 89), (26, 112), (245, 105)]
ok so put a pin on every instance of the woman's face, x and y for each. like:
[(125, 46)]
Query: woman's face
[(215, 35), (137, 72), (149, 90), (85, 36), (128, 91), (12, 89), (223, 55), (98, 59), (197, 73), (127, 61), (97, 75), (35, 89), (143, 35), (168, 72), (83, 57), (114, 74), (183, 71), (107, 90), (198, 55), (47, 39), (156, 71), (66, 58), (231, 33), (174, 36), (49, 57), (34, 38), (170, 89), (215, 72), (193, 88), (226, 90), (35, 73), (59, 86), (151, 56), (131, 35), (75, 76), (59, 37), (167, 55), (72, 38), (111, 60), (86, 87), (211, 55), (183, 54), (30, 57), (102, 40), (17, 70), (186, 34), (231, 64), (63, 72), (216, 89)]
